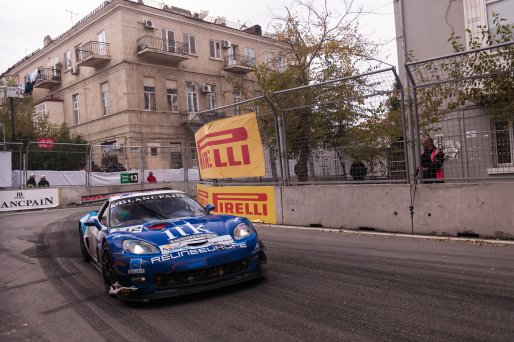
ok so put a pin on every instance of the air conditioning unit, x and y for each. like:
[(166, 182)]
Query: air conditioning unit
[(149, 24), (227, 44), (74, 70), (206, 88)]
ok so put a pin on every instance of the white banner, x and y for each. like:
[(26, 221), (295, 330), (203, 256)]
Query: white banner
[(5, 169), (29, 199)]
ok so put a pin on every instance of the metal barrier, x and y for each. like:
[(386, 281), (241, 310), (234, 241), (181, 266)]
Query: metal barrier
[(465, 102), (15, 150), (348, 129)]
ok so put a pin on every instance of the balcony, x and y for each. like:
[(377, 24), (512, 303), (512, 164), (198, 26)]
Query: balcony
[(93, 54), (239, 64), (162, 50), (49, 77)]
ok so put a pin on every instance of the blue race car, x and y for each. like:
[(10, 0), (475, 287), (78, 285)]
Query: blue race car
[(163, 243)]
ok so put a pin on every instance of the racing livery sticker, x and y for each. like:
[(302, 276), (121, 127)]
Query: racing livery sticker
[(230, 148), (135, 266), (257, 203), (197, 251)]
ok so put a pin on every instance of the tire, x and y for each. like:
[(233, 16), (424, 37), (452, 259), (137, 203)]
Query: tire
[(108, 275), (83, 250)]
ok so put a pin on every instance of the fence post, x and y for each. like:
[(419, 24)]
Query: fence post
[(142, 151)]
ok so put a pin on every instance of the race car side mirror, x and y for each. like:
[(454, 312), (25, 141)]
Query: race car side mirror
[(209, 207), (93, 222)]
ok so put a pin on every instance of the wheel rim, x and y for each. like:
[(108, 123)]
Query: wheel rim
[(107, 271)]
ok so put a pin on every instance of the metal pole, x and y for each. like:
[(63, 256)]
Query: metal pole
[(13, 131)]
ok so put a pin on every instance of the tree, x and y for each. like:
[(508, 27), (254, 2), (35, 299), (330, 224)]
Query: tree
[(29, 127), (319, 46), (482, 77)]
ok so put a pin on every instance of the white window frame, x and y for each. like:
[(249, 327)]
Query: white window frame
[(250, 57), (510, 127), (172, 100), (268, 58), (190, 40), (40, 110), (149, 98), (75, 99), (170, 43), (211, 99), (215, 49), (236, 97), (67, 60), (281, 64), (192, 97), (104, 94)]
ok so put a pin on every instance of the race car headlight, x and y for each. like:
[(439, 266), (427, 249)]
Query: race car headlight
[(242, 230), (138, 247)]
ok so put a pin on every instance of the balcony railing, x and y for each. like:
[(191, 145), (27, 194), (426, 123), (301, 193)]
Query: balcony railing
[(162, 49), (92, 54), (49, 77), (239, 64)]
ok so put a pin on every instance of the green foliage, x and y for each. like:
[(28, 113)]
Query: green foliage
[(29, 127), (481, 77)]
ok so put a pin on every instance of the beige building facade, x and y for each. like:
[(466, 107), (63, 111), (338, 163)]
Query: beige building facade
[(129, 74)]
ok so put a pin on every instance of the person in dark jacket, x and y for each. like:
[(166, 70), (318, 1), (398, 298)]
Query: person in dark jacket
[(43, 183), (31, 182), (358, 170), (432, 160)]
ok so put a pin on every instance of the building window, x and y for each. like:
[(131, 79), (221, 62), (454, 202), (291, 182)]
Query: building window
[(215, 49), (78, 52), (250, 56), (194, 155), (176, 156), (67, 60), (503, 142), (236, 97), (172, 96), (169, 40), (192, 97), (104, 89), (281, 64), (268, 59), (190, 41), (40, 110), (211, 98), (478, 14), (149, 98), (153, 151), (75, 99)]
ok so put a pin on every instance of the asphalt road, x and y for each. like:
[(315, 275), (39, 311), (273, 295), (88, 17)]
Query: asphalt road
[(322, 286)]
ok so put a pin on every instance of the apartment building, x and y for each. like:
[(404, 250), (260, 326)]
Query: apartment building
[(479, 143), (130, 74)]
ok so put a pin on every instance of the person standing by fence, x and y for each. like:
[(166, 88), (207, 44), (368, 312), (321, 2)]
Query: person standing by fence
[(31, 182), (43, 183), (432, 160), (151, 178)]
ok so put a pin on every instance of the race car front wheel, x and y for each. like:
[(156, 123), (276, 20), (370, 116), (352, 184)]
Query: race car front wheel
[(83, 249), (108, 275)]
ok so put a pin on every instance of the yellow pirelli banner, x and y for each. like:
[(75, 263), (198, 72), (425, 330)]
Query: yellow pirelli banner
[(257, 203), (230, 148)]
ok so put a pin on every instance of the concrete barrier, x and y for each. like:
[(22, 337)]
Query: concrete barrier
[(484, 209)]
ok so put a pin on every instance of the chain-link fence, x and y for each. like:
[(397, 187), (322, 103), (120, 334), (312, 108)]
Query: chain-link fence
[(349, 129), (12, 154), (464, 102), (170, 163), (60, 164)]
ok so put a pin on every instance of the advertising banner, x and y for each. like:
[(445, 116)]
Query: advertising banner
[(230, 148), (257, 203), (5, 169), (29, 199)]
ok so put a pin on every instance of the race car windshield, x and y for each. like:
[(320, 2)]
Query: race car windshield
[(139, 210)]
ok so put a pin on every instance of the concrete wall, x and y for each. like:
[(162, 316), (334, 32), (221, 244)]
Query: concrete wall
[(444, 209)]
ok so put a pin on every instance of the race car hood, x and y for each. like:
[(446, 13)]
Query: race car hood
[(182, 233)]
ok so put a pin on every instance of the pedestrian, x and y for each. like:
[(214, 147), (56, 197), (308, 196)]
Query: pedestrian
[(31, 182), (432, 160), (43, 183), (358, 170), (151, 178)]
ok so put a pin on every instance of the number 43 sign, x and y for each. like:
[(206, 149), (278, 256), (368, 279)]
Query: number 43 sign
[(127, 178)]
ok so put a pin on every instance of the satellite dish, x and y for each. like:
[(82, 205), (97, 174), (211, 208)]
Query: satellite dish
[(203, 14)]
